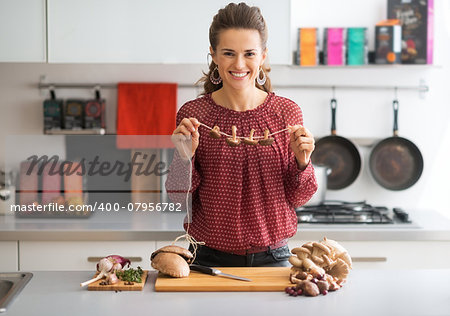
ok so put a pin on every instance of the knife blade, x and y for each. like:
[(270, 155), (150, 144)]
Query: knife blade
[(216, 272)]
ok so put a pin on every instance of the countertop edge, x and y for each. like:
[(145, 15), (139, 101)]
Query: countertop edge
[(111, 235)]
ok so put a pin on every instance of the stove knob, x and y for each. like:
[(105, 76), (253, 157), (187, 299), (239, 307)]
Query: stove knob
[(401, 214)]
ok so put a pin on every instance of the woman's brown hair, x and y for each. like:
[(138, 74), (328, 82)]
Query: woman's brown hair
[(235, 16)]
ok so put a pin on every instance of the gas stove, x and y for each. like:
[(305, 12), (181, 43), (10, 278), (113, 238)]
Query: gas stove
[(340, 212)]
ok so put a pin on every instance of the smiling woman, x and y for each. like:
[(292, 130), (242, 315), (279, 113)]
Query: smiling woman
[(239, 58), (243, 194), (230, 21)]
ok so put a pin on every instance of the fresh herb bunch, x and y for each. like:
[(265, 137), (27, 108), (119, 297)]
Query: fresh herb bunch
[(131, 275)]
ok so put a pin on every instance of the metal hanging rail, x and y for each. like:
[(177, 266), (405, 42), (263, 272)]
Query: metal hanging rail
[(91, 86), (422, 87), (419, 88)]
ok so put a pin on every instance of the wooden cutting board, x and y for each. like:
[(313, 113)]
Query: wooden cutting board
[(263, 280), (120, 286)]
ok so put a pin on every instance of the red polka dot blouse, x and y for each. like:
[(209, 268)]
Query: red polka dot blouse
[(242, 196)]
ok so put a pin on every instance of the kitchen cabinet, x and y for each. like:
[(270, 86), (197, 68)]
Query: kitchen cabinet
[(80, 255), (144, 31), (395, 254), (9, 257), (22, 31), (74, 255)]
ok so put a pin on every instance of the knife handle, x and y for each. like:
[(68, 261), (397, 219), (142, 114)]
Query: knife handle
[(204, 269)]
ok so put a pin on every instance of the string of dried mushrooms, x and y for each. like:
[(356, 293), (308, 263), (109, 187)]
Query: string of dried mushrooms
[(233, 140)]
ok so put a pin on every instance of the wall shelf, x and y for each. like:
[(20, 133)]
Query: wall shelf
[(368, 66), (420, 88)]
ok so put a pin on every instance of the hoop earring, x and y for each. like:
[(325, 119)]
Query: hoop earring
[(217, 79), (261, 81)]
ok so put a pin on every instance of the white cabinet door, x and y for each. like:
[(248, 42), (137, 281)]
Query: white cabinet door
[(395, 254), (9, 256), (149, 31), (400, 254), (80, 255), (22, 31)]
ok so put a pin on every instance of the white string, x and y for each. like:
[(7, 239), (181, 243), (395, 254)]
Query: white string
[(188, 237)]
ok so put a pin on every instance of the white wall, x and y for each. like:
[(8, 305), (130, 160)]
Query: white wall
[(365, 113), (361, 113)]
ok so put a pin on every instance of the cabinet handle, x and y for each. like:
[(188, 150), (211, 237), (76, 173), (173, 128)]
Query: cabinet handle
[(97, 259), (369, 259)]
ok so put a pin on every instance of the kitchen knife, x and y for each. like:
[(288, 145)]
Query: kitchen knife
[(214, 272)]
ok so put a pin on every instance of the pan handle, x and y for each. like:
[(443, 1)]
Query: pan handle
[(395, 106), (333, 104)]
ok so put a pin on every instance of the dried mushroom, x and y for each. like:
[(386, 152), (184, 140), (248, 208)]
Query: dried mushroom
[(266, 141), (249, 140), (172, 260), (233, 141), (215, 132)]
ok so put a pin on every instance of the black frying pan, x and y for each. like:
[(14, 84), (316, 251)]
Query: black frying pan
[(395, 162), (338, 153)]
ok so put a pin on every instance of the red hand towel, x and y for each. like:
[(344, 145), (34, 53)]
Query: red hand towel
[(51, 183), (28, 183), (146, 109)]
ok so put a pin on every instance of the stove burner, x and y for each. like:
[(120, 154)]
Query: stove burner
[(305, 217), (339, 212), (361, 217)]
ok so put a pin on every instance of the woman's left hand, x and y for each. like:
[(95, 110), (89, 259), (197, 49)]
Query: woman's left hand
[(302, 144)]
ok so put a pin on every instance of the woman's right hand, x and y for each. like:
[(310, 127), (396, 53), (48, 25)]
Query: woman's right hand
[(183, 134)]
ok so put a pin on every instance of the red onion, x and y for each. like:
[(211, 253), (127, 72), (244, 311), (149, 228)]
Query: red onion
[(118, 262), (119, 259)]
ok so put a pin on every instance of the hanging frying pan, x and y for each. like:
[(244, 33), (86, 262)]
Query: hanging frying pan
[(338, 153), (395, 162)]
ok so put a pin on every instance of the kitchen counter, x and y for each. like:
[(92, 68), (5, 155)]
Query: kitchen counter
[(427, 225), (367, 292)]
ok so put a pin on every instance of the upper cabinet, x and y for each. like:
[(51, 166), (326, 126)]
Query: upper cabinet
[(143, 31), (22, 31)]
